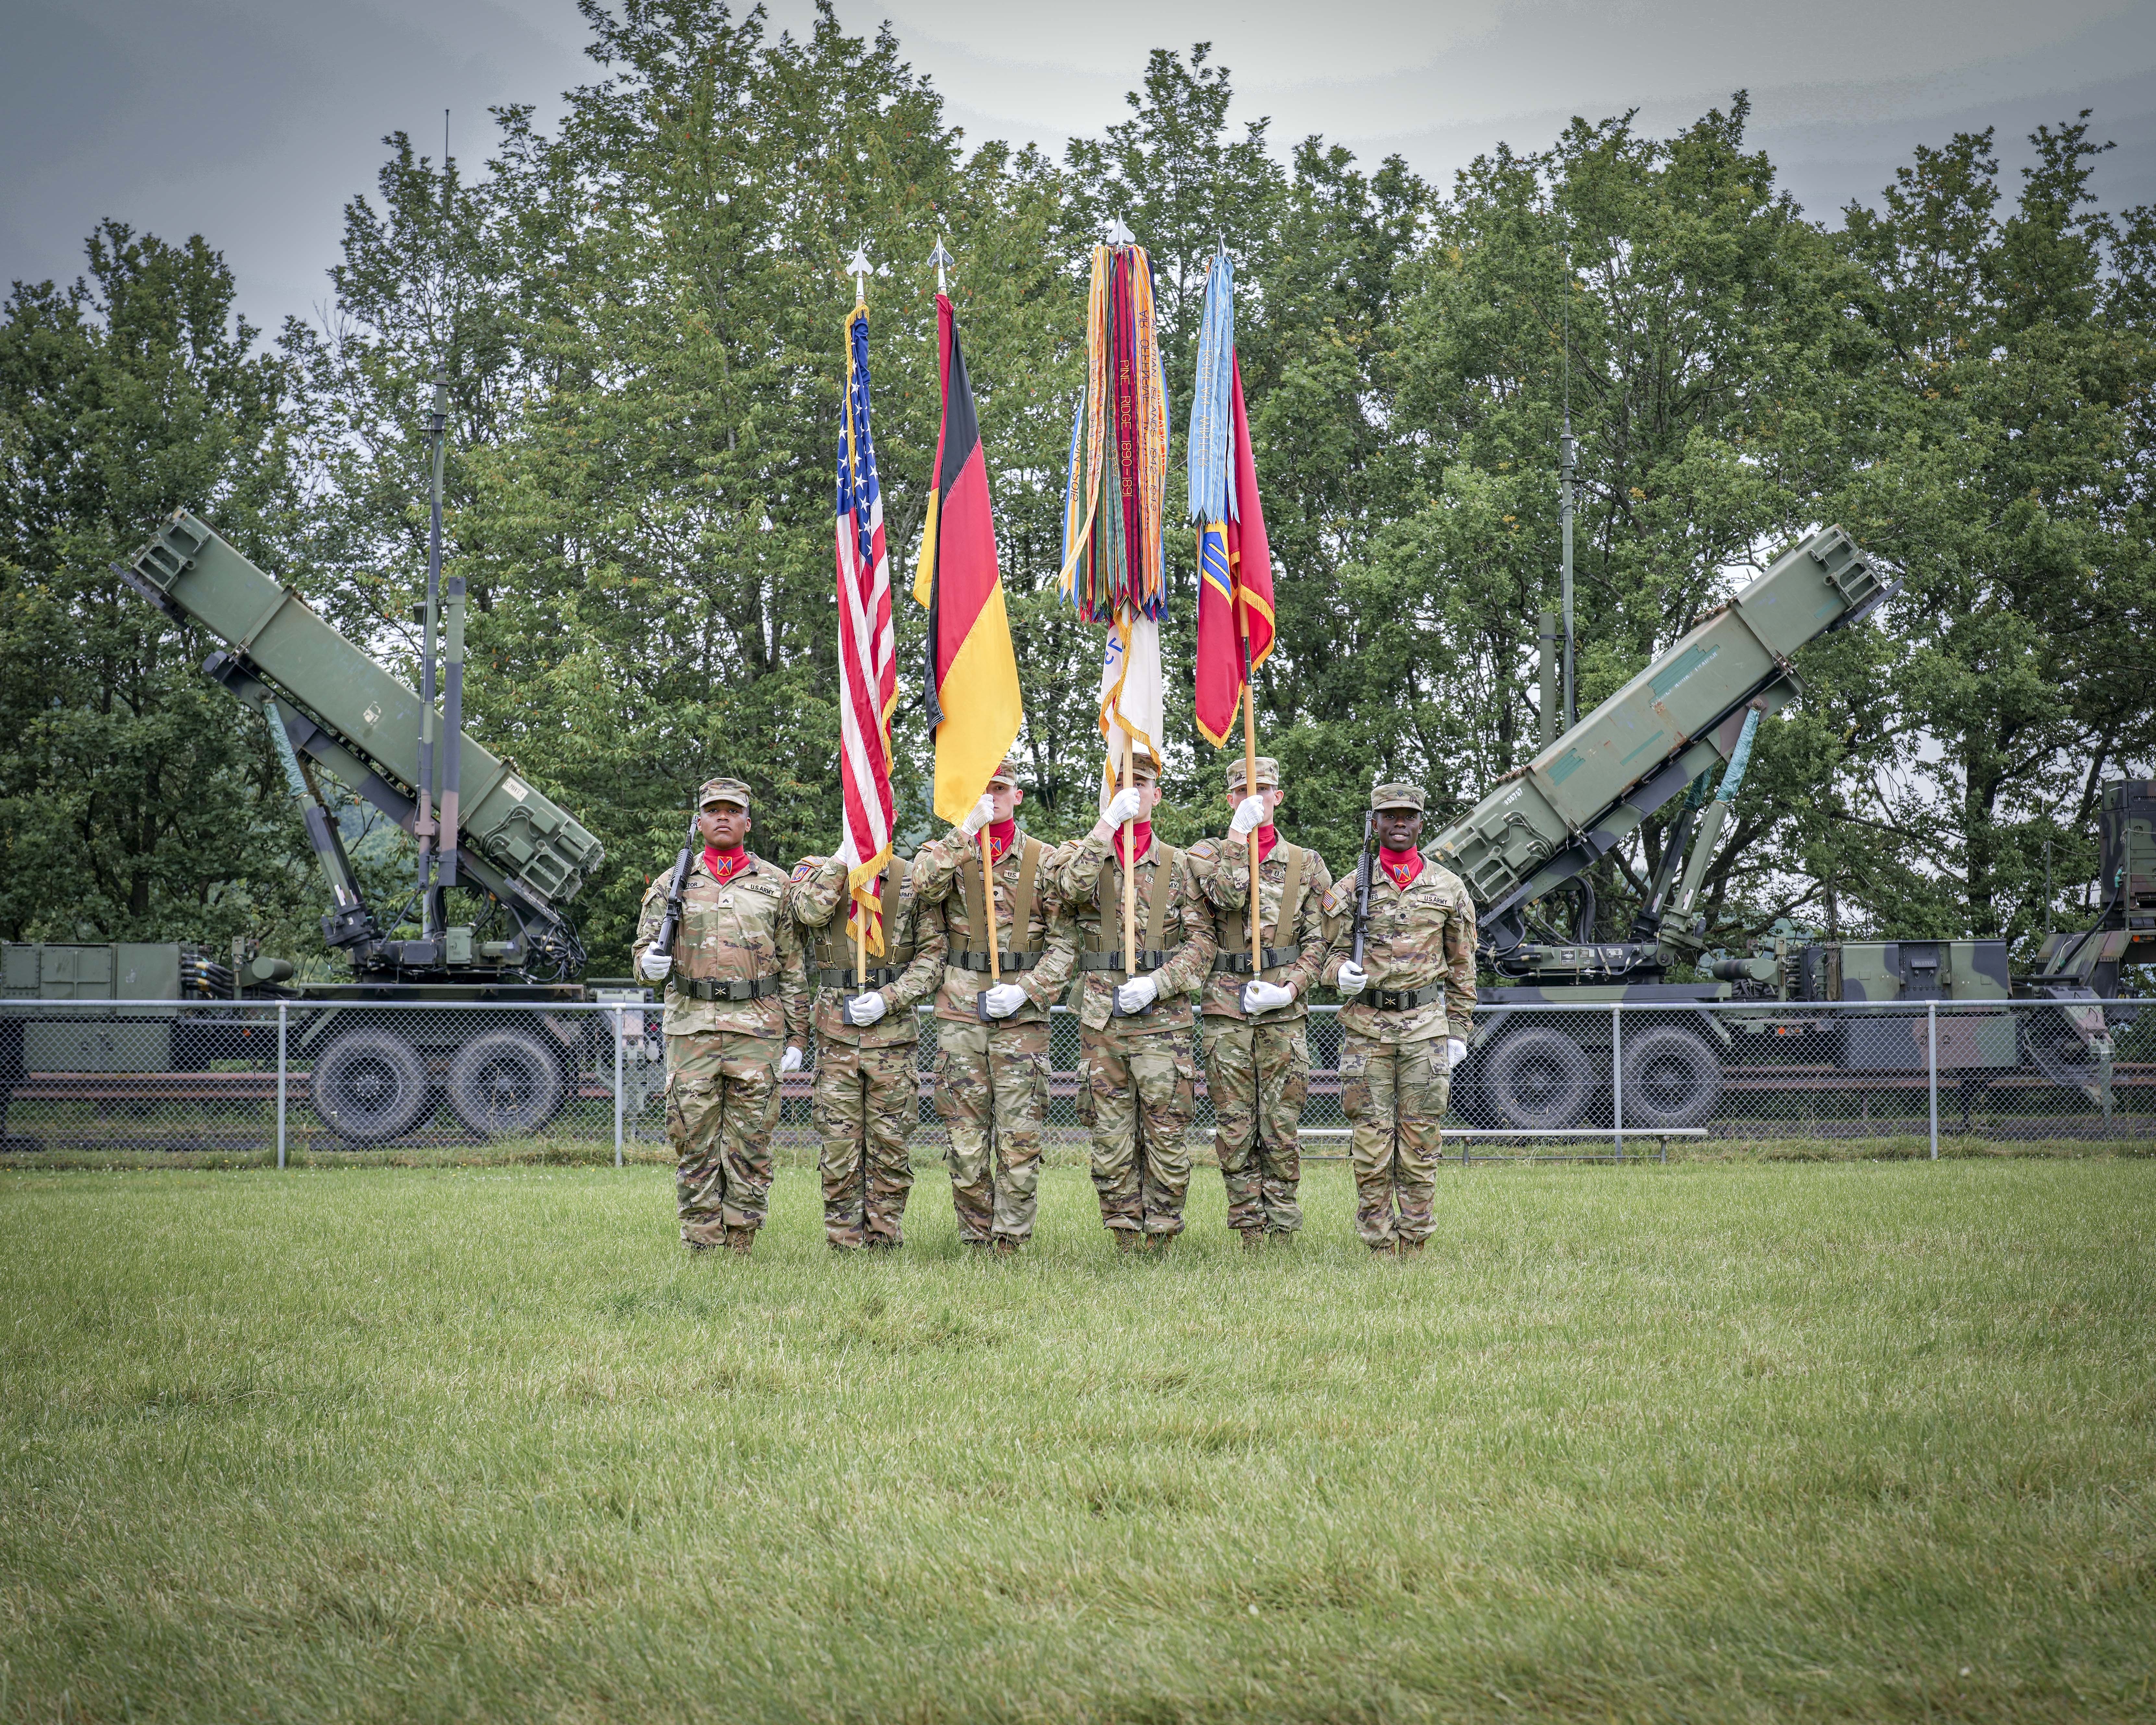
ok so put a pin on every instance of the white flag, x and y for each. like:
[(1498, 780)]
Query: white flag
[(1133, 700)]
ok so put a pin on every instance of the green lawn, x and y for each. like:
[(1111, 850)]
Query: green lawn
[(1699, 1442)]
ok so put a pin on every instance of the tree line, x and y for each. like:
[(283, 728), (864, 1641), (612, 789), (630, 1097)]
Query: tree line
[(640, 314)]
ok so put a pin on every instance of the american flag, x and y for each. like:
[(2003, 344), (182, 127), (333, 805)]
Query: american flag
[(868, 660)]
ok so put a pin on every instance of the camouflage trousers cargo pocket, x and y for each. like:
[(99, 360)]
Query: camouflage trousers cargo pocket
[(721, 1106), (1394, 1095)]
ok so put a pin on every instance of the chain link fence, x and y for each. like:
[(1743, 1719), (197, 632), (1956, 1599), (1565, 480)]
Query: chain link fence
[(1592, 1080)]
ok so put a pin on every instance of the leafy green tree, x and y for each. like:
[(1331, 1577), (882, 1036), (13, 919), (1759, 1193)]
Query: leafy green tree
[(1700, 332), (2016, 364), (136, 802)]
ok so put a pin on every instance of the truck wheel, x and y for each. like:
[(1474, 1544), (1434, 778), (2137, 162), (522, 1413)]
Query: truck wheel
[(370, 1087), (1537, 1079), (505, 1084), (1672, 1077)]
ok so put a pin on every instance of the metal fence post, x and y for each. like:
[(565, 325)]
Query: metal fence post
[(617, 1086), (1932, 1035), (282, 1013), (1617, 1078)]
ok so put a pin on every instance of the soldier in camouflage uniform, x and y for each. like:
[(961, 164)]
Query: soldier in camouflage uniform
[(736, 1018), (992, 1034), (868, 1045), (1252, 1030), (1408, 1007), (1134, 1027)]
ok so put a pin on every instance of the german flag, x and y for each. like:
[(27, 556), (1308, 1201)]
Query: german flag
[(971, 672)]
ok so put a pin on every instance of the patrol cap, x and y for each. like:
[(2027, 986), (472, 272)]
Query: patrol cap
[(1397, 796), (1268, 774), (722, 790), (1145, 766), (1006, 773)]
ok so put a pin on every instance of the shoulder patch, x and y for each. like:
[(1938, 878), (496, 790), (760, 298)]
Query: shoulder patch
[(1205, 850), (806, 866), (1332, 903)]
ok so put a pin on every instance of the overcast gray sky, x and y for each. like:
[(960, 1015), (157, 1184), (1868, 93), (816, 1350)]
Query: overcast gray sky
[(251, 121)]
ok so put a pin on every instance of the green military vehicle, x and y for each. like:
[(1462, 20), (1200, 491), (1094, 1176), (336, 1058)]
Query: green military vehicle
[(484, 829), (1525, 849)]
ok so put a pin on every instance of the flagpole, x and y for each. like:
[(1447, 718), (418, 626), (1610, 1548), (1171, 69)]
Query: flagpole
[(989, 910), (860, 266), (1130, 875), (1249, 776)]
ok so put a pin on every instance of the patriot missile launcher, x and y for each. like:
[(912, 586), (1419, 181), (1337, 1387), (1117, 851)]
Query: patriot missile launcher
[(481, 827), (1689, 714), (1684, 727), (344, 715)]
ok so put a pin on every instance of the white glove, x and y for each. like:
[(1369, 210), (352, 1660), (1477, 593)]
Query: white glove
[(1265, 997), (1004, 999), (1249, 816), (655, 964), (983, 812), (791, 1060), (1137, 994), (1125, 805), (1455, 1051), (864, 1009), (1353, 978)]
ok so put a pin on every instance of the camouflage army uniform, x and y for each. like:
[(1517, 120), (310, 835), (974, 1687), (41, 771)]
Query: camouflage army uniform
[(1419, 951), (1258, 1069), (722, 1052), (1136, 1077), (868, 1087), (991, 1077)]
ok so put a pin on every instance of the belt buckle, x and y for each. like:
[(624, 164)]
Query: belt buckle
[(737, 989)]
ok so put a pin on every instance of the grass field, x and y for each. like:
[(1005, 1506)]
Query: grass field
[(1701, 1442)]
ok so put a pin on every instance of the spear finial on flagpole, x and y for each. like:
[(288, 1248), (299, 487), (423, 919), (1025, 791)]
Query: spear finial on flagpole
[(862, 269), (942, 260), (1118, 234)]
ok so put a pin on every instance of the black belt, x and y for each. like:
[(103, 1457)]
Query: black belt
[(1398, 1000), (1239, 964), (704, 987), (980, 961), (1146, 960), (878, 975)]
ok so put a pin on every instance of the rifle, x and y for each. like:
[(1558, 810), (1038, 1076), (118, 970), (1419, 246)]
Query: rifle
[(664, 942), (1363, 873)]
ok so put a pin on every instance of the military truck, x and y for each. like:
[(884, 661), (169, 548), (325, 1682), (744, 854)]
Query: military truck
[(1683, 728), (484, 829)]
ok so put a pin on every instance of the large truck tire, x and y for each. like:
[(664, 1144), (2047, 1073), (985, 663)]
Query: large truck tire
[(1672, 1077), (506, 1084), (1537, 1078), (370, 1085)]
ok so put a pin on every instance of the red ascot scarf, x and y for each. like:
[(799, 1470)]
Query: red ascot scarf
[(1404, 866), (1002, 835), (724, 864), (1267, 838), (1141, 832)]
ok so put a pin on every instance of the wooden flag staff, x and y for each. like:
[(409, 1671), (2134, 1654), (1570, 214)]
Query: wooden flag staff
[(1130, 875), (989, 910), (1250, 780)]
